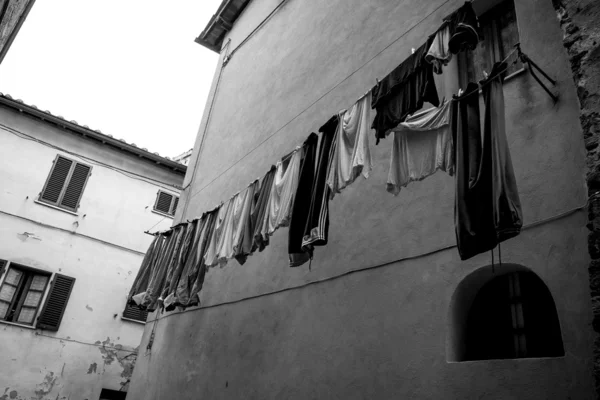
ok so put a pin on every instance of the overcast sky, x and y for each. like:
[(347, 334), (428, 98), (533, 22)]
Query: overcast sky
[(130, 68)]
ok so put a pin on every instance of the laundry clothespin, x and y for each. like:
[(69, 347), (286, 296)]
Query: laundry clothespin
[(413, 50), (485, 74)]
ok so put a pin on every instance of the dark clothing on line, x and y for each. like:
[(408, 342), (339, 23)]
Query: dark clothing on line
[(198, 274), (140, 284), (464, 29), (258, 213), (245, 247), (316, 230), (403, 91), (508, 217), (302, 202), (184, 286)]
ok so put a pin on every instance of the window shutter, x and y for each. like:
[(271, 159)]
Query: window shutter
[(2, 267), (133, 312), (56, 180), (57, 300), (163, 202), (75, 187), (175, 203)]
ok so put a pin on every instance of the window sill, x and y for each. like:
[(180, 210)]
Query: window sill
[(18, 325), (133, 320), (55, 207), (163, 214)]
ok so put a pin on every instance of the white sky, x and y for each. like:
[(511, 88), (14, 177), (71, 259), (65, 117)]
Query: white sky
[(130, 68)]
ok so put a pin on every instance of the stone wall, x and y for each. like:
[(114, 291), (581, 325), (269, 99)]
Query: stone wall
[(581, 37)]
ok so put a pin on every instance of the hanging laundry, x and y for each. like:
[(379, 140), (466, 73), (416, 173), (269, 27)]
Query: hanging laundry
[(140, 284), (403, 91), (241, 223), (216, 242), (258, 214), (198, 273), (352, 155), (464, 29), (316, 230), (473, 206), (245, 231), (422, 145), (152, 296), (180, 260), (284, 186), (225, 249), (439, 52), (182, 291), (508, 217), (302, 201)]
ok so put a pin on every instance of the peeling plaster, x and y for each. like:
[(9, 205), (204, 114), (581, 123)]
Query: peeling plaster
[(92, 368), (89, 308), (46, 386)]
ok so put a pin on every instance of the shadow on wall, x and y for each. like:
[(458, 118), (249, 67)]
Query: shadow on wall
[(503, 312)]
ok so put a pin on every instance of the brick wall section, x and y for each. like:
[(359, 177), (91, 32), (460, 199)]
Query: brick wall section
[(579, 20)]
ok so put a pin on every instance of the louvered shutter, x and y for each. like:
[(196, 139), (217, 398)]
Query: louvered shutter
[(163, 202), (175, 203), (2, 266), (133, 312), (56, 180), (75, 187), (56, 303)]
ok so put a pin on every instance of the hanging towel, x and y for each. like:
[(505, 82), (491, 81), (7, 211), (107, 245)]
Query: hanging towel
[(439, 52), (473, 212), (302, 201), (352, 155), (422, 145), (284, 186), (464, 29), (316, 230), (508, 217), (258, 214), (197, 275), (403, 92)]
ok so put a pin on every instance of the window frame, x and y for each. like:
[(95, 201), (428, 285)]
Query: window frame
[(65, 185), (172, 206), (21, 292), (464, 59), (132, 319)]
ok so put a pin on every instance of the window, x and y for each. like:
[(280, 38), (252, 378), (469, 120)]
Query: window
[(499, 34), (166, 203), (22, 291), (512, 316), (134, 313), (65, 184)]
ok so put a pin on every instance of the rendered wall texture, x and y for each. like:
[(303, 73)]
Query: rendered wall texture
[(380, 333), (102, 247)]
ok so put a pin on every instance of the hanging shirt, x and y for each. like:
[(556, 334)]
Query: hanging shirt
[(243, 244), (182, 292), (257, 215), (225, 247), (211, 257), (403, 91), (241, 222), (422, 145), (199, 272), (179, 264), (140, 283), (302, 202), (284, 186), (352, 155), (317, 226), (439, 52)]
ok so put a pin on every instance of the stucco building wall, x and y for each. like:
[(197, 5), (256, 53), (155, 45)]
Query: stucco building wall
[(379, 333), (101, 247)]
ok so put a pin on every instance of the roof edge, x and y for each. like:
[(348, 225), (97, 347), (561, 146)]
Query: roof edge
[(87, 132), (220, 23)]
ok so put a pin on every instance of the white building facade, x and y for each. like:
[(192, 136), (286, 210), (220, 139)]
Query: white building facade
[(73, 210)]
